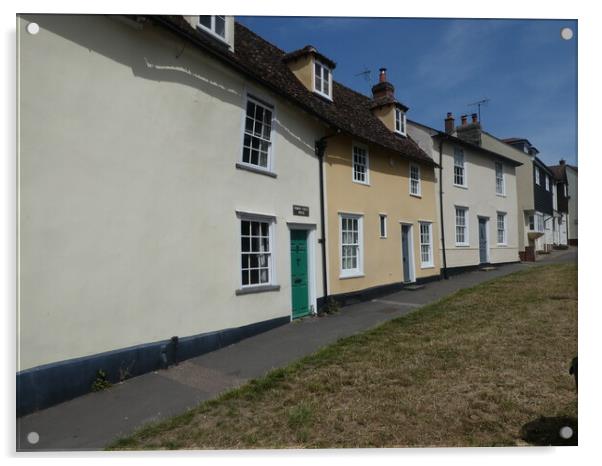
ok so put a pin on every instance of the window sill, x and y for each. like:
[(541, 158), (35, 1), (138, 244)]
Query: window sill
[(500, 195), (462, 245), (251, 168), (399, 133), (363, 183), (427, 266), (256, 289), (383, 237), (344, 277), (500, 245), (419, 196), (463, 186), (323, 96)]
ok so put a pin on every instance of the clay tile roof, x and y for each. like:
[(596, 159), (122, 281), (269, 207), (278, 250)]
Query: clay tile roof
[(348, 111)]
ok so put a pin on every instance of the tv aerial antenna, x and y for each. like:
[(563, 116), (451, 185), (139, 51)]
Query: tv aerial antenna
[(478, 105), (367, 74)]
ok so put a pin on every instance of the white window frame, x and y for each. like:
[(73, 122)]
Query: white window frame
[(418, 192), (243, 217), (500, 181), (322, 66), (382, 225), (547, 182), (366, 165), (537, 179), (429, 263), (211, 30), (400, 122), (464, 184), (539, 223), (466, 226), (358, 271), (270, 152), (529, 217), (504, 229)]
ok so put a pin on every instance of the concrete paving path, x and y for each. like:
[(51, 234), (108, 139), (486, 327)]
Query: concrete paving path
[(92, 421)]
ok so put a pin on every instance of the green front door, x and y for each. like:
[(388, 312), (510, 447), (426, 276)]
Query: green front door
[(299, 282)]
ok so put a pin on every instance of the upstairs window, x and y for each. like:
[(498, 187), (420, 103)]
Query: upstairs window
[(547, 183), (414, 180), (566, 192), (257, 143), (216, 25), (400, 121), (537, 182), (322, 80), (499, 179), (360, 165), (459, 168), (531, 222)]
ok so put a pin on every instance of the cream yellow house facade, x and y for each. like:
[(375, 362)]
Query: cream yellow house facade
[(385, 209)]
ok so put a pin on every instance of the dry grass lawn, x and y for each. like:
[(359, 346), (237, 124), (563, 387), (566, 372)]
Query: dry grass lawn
[(480, 368)]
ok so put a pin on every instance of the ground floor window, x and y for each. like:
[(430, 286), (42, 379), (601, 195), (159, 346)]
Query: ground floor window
[(461, 227), (351, 245), (501, 228), (256, 252), (383, 225), (426, 244)]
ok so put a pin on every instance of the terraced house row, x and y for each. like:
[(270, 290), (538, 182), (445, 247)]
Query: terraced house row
[(184, 184)]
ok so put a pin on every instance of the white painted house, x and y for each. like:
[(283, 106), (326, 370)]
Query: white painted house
[(162, 176), (477, 196)]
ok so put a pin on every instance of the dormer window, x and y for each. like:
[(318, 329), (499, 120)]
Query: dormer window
[(215, 25), (400, 121), (322, 80)]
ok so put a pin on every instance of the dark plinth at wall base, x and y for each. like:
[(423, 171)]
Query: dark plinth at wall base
[(471, 268), (573, 242), (367, 294), (45, 386)]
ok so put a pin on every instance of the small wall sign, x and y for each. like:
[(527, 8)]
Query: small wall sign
[(301, 210)]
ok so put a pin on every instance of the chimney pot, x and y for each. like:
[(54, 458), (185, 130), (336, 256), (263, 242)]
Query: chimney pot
[(562, 161), (449, 123), (474, 118), (382, 75), (463, 118)]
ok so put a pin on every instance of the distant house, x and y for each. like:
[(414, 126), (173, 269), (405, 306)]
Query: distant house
[(535, 194), (477, 195), (567, 179), (542, 219), (561, 206)]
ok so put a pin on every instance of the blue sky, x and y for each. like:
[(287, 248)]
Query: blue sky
[(524, 67)]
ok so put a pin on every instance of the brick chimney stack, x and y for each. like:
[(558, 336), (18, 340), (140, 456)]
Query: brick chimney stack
[(450, 123), (562, 161), (383, 89), (463, 118), (474, 118)]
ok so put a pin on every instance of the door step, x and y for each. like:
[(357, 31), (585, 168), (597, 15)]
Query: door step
[(487, 269), (413, 287)]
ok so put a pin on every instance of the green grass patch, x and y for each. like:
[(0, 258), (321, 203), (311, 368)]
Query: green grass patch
[(470, 370)]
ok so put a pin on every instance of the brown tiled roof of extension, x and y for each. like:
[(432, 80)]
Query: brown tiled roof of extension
[(559, 172), (349, 111)]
